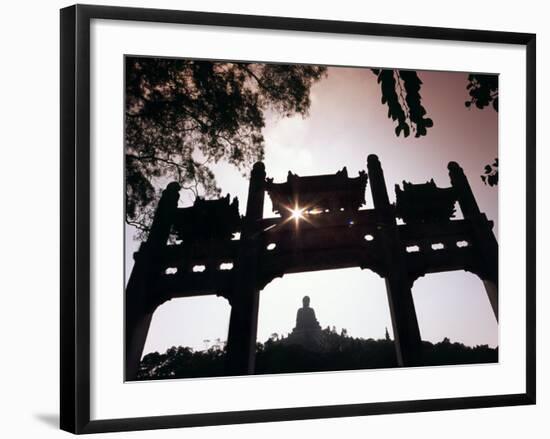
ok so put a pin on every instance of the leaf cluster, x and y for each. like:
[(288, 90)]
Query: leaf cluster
[(401, 93), (483, 91), (182, 116), (490, 175)]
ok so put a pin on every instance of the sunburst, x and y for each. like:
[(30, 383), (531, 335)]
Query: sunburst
[(297, 213)]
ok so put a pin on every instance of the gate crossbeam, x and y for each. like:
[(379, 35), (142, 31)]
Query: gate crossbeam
[(313, 247)]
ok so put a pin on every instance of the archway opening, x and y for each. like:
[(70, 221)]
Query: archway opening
[(354, 325), (195, 322), (186, 338), (454, 306)]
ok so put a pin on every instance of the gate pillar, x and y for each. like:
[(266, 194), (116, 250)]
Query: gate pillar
[(141, 299), (406, 332), (244, 294), (485, 244)]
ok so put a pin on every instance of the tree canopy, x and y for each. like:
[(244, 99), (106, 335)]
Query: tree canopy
[(183, 115), (341, 352)]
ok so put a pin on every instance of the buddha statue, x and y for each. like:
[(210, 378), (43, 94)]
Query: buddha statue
[(307, 332), (305, 318)]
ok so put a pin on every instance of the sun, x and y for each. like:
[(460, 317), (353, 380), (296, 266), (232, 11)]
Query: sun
[(297, 213)]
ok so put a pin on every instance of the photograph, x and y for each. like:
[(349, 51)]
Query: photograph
[(297, 218)]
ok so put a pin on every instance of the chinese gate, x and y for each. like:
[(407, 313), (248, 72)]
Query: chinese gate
[(321, 227)]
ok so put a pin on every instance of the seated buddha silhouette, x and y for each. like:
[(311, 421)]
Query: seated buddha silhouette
[(305, 318)]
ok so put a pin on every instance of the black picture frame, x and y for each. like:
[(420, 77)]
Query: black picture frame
[(75, 217)]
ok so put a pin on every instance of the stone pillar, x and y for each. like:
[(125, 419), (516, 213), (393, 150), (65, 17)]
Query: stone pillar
[(408, 343), (484, 242), (463, 191), (141, 299), (377, 183), (244, 295)]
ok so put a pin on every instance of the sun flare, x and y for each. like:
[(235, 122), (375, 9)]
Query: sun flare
[(297, 213)]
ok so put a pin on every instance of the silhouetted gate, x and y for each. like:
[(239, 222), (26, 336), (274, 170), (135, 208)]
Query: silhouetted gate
[(320, 227)]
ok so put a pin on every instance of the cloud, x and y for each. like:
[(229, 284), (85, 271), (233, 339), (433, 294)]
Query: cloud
[(286, 147)]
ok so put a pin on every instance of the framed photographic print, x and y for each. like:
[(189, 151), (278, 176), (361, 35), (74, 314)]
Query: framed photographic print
[(268, 218)]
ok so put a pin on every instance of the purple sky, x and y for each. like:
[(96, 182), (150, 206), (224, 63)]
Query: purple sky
[(346, 123)]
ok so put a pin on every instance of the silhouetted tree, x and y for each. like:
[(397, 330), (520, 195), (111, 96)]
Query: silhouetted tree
[(183, 115), (340, 352)]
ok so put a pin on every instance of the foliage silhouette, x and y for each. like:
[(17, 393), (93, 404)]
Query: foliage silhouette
[(483, 90), (490, 176), (401, 93), (184, 115), (341, 352)]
